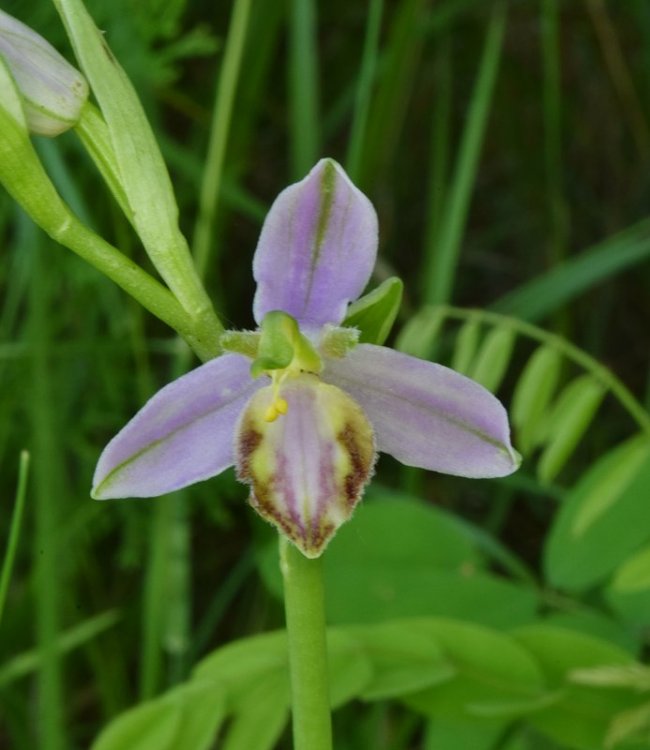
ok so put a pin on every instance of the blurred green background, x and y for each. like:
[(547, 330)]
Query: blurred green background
[(506, 148)]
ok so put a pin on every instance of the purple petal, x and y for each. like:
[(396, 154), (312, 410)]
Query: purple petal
[(307, 468), (317, 248), (182, 435), (425, 414)]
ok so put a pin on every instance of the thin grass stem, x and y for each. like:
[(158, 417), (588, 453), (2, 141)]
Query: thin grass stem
[(552, 102), (202, 243), (441, 269), (364, 88), (52, 734), (303, 88), (440, 150), (14, 530)]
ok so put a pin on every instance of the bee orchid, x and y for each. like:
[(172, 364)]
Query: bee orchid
[(300, 407)]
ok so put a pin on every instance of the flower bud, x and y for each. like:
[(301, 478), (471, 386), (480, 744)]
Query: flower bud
[(53, 91)]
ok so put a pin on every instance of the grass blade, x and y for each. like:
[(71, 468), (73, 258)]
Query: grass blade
[(304, 88), (542, 296), (364, 88), (221, 120), (14, 531), (439, 275)]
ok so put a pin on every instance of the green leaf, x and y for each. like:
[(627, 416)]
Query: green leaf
[(96, 139), (495, 675), (151, 726), (493, 358), (260, 715), (594, 622), (633, 725), (572, 414), (581, 714), (403, 660), (202, 713), (629, 591), (450, 735), (634, 575), (378, 568), (419, 335), (532, 395), (241, 663), (603, 519), (350, 667), (256, 674), (375, 312), (636, 676), (188, 716), (467, 342)]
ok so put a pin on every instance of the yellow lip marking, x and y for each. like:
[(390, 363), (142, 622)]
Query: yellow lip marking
[(278, 405)]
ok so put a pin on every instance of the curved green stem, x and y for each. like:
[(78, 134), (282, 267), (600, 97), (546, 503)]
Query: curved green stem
[(24, 177), (580, 357), (304, 603), (202, 334)]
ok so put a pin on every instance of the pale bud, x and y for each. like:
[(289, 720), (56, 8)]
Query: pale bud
[(53, 91)]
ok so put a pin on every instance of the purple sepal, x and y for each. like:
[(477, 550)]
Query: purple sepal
[(427, 415), (182, 435)]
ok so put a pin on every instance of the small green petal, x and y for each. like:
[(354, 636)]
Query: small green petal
[(375, 312)]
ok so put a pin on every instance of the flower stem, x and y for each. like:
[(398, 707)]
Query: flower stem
[(304, 603)]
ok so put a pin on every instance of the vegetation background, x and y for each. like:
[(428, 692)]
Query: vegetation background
[(506, 147)]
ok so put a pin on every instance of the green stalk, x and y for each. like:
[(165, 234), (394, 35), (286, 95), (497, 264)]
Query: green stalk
[(24, 177), (221, 119), (304, 603), (201, 334)]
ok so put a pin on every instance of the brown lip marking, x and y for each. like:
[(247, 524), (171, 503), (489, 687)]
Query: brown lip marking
[(313, 538), (361, 466), (248, 442)]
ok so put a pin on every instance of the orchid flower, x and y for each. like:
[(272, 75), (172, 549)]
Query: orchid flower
[(300, 407)]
